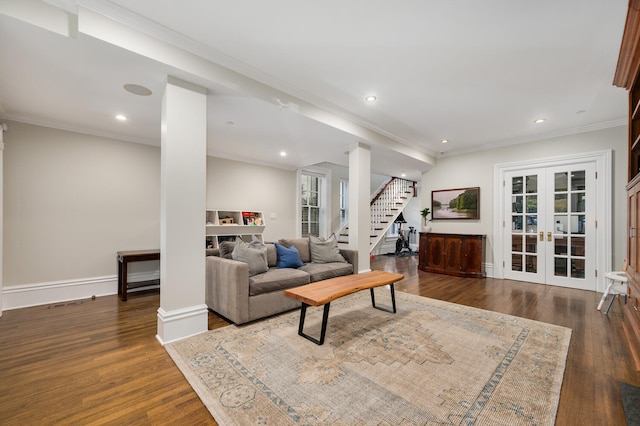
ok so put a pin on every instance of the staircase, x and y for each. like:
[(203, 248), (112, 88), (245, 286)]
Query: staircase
[(386, 205)]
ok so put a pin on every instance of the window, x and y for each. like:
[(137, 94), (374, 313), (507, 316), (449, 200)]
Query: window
[(344, 202), (310, 204)]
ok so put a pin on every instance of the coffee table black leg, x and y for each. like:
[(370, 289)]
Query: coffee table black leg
[(393, 301), (323, 331)]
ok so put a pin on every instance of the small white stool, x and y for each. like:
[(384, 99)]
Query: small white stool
[(617, 285)]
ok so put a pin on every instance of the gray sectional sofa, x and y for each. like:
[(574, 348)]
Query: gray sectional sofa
[(240, 296)]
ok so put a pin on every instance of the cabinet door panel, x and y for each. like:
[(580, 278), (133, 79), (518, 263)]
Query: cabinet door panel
[(436, 253), (453, 254), (474, 254)]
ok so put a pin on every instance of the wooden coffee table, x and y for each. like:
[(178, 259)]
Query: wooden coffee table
[(323, 292)]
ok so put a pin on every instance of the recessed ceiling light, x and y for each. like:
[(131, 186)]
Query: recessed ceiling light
[(403, 175), (283, 154), (539, 120), (444, 141), (370, 98), (121, 117), (136, 89)]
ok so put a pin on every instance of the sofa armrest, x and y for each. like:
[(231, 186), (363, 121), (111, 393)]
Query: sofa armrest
[(227, 288), (352, 257)]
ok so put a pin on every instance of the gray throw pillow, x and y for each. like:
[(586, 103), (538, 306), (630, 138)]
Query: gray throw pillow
[(226, 248), (253, 254), (325, 251)]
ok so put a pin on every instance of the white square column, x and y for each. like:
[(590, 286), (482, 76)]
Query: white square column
[(183, 173), (3, 128), (360, 204)]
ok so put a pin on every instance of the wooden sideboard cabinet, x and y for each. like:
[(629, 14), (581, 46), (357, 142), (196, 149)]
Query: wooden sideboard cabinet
[(627, 76), (460, 255)]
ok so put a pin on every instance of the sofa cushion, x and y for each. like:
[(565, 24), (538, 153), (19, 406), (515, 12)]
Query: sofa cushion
[(272, 255), (252, 254), (226, 248), (277, 279), (325, 251), (324, 271), (302, 245), (288, 257)]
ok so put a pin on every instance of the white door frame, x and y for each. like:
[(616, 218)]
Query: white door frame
[(604, 208)]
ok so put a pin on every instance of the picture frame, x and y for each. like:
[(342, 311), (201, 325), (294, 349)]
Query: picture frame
[(456, 204)]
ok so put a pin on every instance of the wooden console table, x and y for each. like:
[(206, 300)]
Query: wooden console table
[(125, 257), (460, 255)]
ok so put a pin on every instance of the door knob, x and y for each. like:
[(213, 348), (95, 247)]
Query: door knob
[(549, 236), (541, 235)]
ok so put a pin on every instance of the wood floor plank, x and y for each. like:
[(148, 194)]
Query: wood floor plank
[(99, 362)]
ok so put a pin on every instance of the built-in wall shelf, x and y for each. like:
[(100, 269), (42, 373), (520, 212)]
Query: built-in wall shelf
[(224, 225)]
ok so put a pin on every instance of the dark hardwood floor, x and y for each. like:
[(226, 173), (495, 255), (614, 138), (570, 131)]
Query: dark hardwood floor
[(98, 361)]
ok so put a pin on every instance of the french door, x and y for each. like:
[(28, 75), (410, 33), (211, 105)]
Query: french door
[(551, 212)]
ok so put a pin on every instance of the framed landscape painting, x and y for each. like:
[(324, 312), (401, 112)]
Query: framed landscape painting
[(460, 203)]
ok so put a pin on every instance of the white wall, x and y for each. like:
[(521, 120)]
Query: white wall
[(476, 169), (72, 200), (232, 185)]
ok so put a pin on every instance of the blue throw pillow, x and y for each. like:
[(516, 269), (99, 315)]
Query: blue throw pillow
[(288, 257)]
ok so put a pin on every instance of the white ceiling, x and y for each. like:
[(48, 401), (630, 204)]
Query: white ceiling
[(475, 73)]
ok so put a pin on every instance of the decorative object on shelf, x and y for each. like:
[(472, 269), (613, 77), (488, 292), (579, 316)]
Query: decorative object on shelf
[(425, 213), (455, 204)]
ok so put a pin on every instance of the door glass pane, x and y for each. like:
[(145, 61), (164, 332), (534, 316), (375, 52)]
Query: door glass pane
[(577, 268), (560, 224), (577, 246), (560, 204), (532, 264), (532, 244), (532, 184), (516, 262), (577, 223), (532, 203), (532, 224), (516, 204), (516, 185), (516, 223), (560, 245), (578, 182), (577, 202), (561, 181), (516, 243), (560, 266)]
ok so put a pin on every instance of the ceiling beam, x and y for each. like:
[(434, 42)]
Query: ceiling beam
[(98, 24)]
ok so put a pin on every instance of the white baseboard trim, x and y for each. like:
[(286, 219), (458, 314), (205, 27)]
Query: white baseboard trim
[(45, 293), (182, 323), (488, 269)]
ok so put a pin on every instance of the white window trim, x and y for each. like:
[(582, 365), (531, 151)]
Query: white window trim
[(325, 204)]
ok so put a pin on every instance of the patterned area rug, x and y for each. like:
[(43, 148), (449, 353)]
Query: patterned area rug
[(432, 363)]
